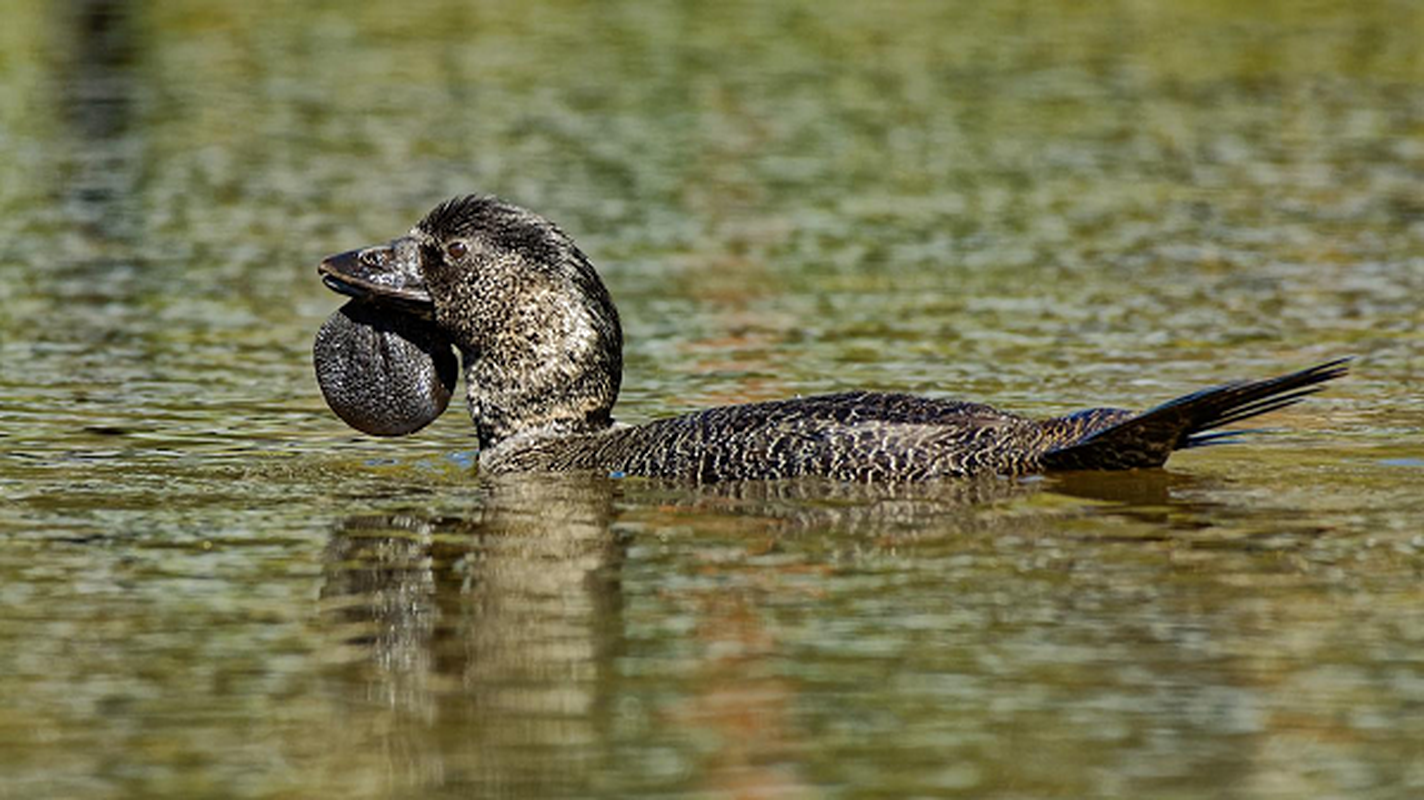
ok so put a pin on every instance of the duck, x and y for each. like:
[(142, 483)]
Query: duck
[(541, 345)]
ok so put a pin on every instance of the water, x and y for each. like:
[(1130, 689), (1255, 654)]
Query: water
[(210, 587)]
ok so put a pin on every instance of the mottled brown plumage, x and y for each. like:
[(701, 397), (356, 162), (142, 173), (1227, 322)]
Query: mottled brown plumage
[(542, 352)]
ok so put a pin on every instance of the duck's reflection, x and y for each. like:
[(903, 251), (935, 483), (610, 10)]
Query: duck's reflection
[(814, 506), (480, 652), (488, 637)]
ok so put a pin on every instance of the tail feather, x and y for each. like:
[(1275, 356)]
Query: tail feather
[(1256, 410), (1147, 439), (1221, 437)]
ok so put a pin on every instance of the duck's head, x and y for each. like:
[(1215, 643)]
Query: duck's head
[(535, 327)]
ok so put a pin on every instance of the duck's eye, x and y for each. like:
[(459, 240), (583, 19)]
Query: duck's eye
[(456, 250)]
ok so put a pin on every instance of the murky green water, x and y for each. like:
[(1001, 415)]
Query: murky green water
[(210, 587)]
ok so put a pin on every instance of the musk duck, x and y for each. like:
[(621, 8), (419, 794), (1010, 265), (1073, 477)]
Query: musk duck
[(541, 346)]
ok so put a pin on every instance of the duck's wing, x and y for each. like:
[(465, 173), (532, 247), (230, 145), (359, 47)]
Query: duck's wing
[(859, 436)]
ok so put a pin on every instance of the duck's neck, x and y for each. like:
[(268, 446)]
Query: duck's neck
[(551, 395), (552, 361)]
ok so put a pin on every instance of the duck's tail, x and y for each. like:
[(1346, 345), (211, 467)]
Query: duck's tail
[(1147, 439)]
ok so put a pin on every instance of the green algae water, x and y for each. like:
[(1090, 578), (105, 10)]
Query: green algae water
[(210, 587)]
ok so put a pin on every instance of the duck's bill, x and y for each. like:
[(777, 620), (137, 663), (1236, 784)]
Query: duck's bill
[(387, 274)]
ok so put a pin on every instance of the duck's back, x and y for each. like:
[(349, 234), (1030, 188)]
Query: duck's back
[(851, 436)]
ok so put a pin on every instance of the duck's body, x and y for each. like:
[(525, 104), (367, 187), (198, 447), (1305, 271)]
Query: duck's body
[(860, 436), (875, 436), (541, 345)]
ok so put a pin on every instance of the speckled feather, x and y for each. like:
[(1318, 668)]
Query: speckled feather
[(860, 436), (538, 333), (542, 350)]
